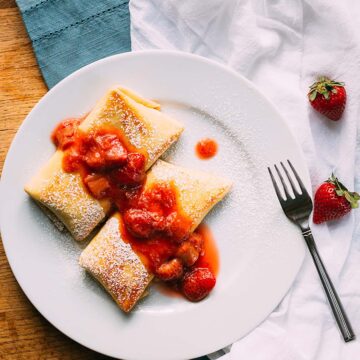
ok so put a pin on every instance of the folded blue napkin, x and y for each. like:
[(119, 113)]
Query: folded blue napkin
[(68, 34)]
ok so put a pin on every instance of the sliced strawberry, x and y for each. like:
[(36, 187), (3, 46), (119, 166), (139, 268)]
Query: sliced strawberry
[(98, 185), (143, 223), (197, 241), (187, 253), (72, 160), (161, 199), (170, 270), (64, 134), (94, 159), (92, 154), (177, 227), (132, 173), (114, 151)]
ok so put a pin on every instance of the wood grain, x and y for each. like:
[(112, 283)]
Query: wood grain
[(24, 333)]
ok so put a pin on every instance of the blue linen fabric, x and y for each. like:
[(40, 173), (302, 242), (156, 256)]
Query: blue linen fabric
[(68, 34)]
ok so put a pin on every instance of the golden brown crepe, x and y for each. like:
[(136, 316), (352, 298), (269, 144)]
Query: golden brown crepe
[(198, 191), (146, 129)]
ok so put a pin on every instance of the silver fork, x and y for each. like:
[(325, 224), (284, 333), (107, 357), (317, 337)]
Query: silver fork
[(298, 210)]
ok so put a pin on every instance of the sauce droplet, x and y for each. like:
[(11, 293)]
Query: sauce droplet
[(206, 148)]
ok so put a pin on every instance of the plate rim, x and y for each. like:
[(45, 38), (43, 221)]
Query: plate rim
[(111, 58)]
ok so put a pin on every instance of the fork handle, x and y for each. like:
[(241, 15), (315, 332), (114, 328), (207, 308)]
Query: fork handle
[(333, 298)]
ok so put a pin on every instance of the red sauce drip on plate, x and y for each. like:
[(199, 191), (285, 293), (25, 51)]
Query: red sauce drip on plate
[(210, 258), (206, 148), (152, 221)]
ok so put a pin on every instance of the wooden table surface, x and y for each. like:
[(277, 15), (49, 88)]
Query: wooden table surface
[(24, 333)]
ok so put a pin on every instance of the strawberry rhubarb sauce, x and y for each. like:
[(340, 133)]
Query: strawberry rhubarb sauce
[(152, 220), (206, 148)]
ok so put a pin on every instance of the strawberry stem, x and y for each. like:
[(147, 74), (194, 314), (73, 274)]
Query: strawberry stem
[(341, 190)]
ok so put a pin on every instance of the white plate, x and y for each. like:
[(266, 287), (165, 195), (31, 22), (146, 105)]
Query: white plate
[(260, 251)]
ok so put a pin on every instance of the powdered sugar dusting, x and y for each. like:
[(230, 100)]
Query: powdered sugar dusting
[(63, 194), (115, 112), (198, 191), (113, 262)]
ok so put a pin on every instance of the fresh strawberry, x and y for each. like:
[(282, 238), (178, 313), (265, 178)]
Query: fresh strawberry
[(328, 97), (198, 283), (333, 200)]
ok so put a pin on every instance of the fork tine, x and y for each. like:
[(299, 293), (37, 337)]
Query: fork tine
[(275, 186), (302, 187), (290, 179), (287, 195)]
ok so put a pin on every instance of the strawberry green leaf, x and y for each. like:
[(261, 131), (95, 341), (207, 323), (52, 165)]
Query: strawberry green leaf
[(312, 95), (348, 197), (337, 83), (352, 198), (354, 204), (328, 87), (340, 192)]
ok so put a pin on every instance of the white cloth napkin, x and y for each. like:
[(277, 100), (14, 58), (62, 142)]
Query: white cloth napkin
[(282, 46)]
